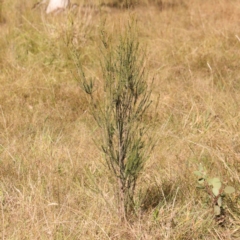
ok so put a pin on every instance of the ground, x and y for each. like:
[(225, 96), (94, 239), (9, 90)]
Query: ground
[(54, 183)]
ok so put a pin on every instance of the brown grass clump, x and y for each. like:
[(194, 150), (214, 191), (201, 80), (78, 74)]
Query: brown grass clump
[(53, 181)]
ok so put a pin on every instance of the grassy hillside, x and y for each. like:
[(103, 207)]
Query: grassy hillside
[(53, 180)]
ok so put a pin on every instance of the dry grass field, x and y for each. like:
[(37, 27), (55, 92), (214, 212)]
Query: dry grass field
[(53, 180)]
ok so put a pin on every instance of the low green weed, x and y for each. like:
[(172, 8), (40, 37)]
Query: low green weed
[(214, 188)]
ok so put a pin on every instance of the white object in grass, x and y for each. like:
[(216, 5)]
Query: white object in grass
[(56, 5)]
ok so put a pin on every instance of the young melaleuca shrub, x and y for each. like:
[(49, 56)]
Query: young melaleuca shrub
[(121, 111)]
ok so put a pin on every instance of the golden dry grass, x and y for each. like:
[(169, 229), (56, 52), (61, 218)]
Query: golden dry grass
[(53, 182)]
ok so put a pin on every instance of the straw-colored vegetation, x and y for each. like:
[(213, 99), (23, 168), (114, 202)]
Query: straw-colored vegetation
[(54, 183)]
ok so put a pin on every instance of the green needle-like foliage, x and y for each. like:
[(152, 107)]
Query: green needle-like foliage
[(120, 112), (125, 142)]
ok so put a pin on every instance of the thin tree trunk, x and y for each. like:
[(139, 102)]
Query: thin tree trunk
[(121, 200)]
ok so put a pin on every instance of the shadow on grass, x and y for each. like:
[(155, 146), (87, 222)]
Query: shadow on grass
[(158, 195), (159, 4)]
